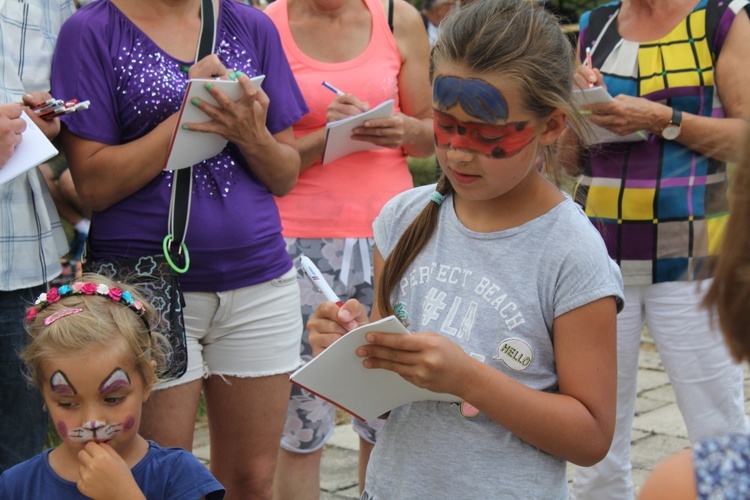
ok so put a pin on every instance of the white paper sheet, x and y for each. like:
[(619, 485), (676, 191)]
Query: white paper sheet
[(596, 95), (337, 375), (339, 141), (34, 149)]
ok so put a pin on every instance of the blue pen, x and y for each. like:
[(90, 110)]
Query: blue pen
[(333, 89)]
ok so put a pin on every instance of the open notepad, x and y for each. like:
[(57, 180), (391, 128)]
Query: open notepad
[(599, 134), (34, 149), (189, 147), (339, 142), (337, 375)]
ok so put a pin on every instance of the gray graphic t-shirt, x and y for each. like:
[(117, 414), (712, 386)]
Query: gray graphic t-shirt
[(496, 295)]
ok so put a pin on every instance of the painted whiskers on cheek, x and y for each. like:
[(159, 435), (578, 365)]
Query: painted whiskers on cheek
[(94, 431)]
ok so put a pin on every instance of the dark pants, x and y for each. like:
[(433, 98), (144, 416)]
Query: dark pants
[(23, 422)]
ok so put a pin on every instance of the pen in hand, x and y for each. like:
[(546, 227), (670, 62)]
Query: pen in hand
[(333, 89), (312, 272), (589, 62)]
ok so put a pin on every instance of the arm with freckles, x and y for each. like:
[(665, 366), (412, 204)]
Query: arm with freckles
[(576, 424), (104, 475)]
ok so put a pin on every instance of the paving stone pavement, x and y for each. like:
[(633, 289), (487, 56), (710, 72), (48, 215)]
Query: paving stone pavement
[(658, 431)]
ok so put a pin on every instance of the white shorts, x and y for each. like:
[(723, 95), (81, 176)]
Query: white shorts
[(249, 332)]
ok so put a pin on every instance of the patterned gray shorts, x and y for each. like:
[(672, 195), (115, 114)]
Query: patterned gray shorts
[(310, 420)]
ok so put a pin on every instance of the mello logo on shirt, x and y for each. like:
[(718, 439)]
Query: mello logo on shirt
[(515, 353)]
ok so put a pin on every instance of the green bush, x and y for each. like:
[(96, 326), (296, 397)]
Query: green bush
[(422, 170)]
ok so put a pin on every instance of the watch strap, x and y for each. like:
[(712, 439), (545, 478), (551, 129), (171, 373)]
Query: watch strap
[(676, 117)]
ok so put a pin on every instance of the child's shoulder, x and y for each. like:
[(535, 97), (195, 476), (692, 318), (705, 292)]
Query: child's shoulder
[(571, 219), (34, 478)]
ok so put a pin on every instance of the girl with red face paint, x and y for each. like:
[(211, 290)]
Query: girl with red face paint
[(506, 286), (94, 353)]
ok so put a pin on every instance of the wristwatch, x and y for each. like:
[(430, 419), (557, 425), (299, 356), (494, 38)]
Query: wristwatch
[(672, 130)]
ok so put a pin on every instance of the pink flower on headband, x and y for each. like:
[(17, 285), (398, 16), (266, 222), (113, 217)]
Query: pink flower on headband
[(53, 295), (83, 288), (30, 315)]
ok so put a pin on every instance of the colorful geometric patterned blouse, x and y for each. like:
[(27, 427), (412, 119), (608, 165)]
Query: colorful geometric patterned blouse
[(660, 206), (722, 467)]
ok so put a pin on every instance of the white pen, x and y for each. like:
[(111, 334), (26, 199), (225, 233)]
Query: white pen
[(317, 279), (333, 89)]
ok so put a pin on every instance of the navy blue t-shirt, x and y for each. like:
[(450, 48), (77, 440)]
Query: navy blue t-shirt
[(164, 473)]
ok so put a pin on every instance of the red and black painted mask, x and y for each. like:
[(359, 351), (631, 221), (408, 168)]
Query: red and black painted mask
[(482, 101)]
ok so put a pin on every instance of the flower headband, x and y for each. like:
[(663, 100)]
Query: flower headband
[(83, 288)]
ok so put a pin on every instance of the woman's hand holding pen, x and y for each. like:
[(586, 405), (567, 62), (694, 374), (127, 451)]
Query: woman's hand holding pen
[(209, 67), (628, 114), (387, 132), (329, 322), (344, 106), (587, 77)]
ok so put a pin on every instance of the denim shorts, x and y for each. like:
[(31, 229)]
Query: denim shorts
[(249, 332)]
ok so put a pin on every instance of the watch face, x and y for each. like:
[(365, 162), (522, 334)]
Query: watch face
[(670, 132)]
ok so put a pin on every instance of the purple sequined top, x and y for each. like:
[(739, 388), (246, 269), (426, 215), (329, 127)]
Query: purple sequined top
[(234, 235)]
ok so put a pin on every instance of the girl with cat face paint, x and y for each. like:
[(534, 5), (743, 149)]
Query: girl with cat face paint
[(94, 353)]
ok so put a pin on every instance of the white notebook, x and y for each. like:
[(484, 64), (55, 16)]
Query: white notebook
[(189, 147), (338, 376), (339, 141), (34, 149), (596, 95)]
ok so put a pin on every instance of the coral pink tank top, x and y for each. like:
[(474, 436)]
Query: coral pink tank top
[(342, 198)]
